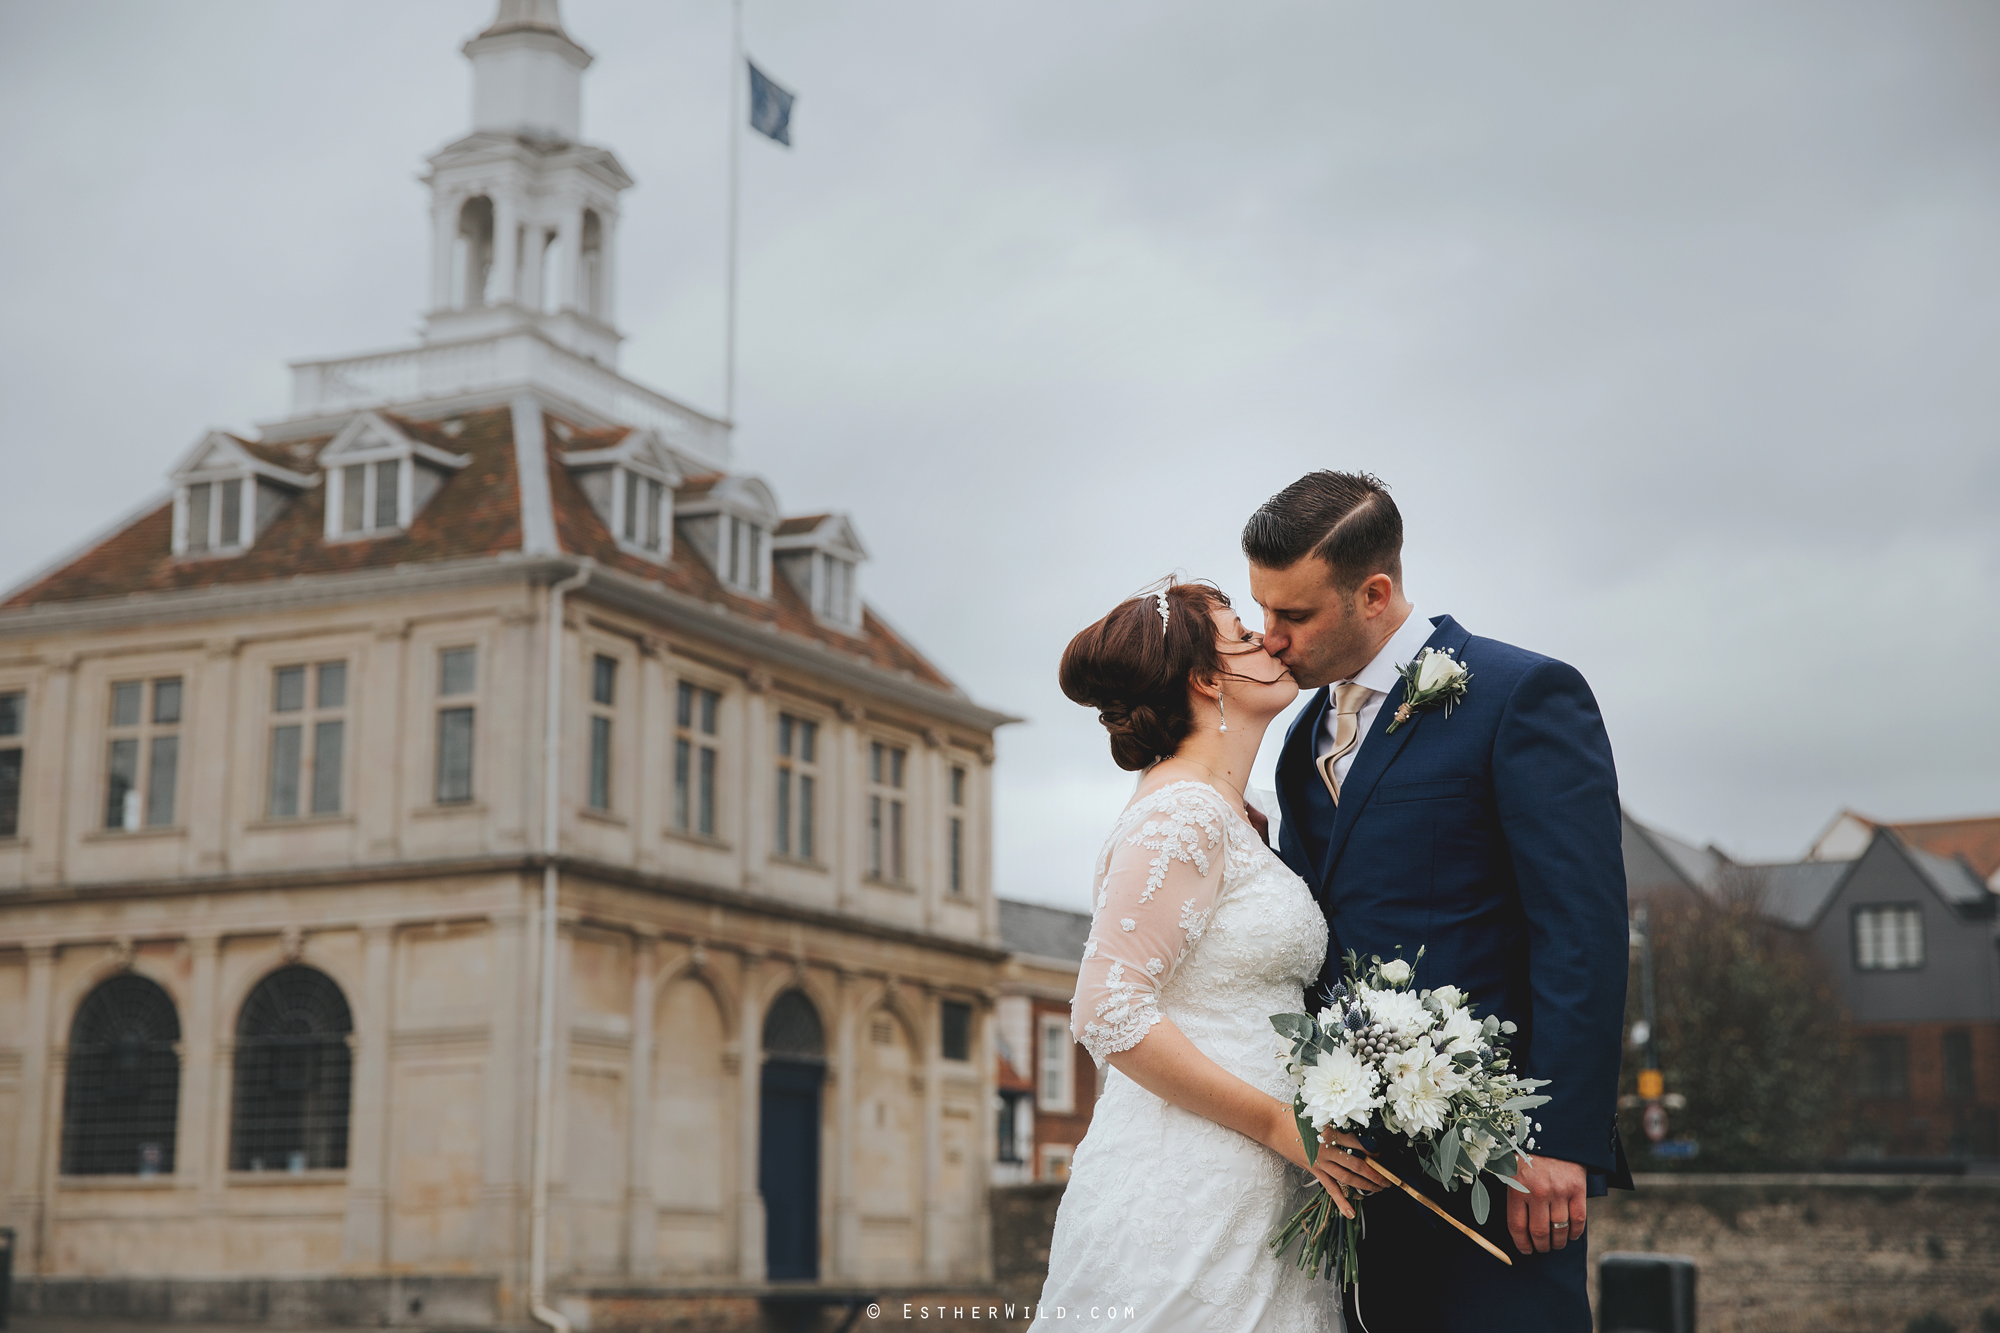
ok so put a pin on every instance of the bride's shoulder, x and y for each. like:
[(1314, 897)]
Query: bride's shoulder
[(1185, 800)]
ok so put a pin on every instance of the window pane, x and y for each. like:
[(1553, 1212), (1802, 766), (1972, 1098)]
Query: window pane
[(896, 758), (957, 855), (198, 506), (167, 700), (232, 513), (805, 817), (285, 743), (784, 821), (752, 571), (683, 757), (457, 668), (121, 801), (328, 738), (386, 474), (288, 689), (684, 706), (1913, 936), (125, 703), (896, 841), (353, 481), (957, 1025), (10, 793), (809, 742), (13, 708), (707, 824), (709, 700), (600, 762), (785, 734), (655, 493), (631, 529), (875, 762), (875, 836), (160, 778), (603, 678), (332, 685), (958, 786), (454, 772)]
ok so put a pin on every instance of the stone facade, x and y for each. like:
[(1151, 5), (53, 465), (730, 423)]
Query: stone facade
[(469, 845)]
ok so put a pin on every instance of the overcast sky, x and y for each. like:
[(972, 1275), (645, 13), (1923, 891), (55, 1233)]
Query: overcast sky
[(1665, 326)]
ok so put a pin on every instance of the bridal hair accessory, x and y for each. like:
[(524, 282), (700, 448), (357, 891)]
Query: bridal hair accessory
[(1434, 678), (1165, 610)]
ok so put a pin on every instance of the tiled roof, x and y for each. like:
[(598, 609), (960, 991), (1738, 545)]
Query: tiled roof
[(476, 512), (697, 486), (1976, 840), (1949, 876), (1045, 932), (1795, 891), (791, 527)]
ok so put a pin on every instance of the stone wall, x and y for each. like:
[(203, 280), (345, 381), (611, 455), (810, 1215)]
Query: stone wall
[(1775, 1254), (1829, 1254)]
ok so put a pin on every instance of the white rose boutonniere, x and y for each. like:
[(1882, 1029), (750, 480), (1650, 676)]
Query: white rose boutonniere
[(1434, 679)]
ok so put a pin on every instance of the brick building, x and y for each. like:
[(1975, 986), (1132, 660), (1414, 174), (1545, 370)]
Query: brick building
[(1047, 1084)]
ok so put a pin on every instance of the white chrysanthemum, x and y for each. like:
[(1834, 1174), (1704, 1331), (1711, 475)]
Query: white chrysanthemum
[(1340, 1090), (1421, 1084), (1460, 1031), (1398, 1010)]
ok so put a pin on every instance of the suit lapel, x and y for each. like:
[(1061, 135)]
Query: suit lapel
[(1378, 751), (1295, 765)]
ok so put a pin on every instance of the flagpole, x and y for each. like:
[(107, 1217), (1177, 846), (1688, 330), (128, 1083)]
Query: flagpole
[(735, 172)]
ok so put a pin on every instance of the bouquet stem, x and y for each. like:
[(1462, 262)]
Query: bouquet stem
[(1425, 1200)]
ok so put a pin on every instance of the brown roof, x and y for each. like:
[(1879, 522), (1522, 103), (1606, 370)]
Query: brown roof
[(1976, 841), (476, 512), (803, 523)]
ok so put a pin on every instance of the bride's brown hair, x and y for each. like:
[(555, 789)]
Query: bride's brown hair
[(1135, 672)]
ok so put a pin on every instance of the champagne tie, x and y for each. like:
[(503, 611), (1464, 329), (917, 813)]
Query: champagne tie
[(1348, 701)]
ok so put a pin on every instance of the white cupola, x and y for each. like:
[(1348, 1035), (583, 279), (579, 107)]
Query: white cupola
[(527, 74), (524, 217)]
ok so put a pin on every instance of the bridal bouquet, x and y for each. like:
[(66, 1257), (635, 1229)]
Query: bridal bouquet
[(1411, 1066)]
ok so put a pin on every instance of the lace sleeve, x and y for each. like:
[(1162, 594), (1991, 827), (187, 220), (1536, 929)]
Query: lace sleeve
[(1160, 883)]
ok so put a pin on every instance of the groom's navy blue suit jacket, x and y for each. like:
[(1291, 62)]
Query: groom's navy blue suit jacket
[(1490, 837)]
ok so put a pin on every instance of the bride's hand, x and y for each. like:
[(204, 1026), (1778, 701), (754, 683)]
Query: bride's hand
[(1331, 1170)]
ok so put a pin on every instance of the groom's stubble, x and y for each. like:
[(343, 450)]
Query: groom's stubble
[(1320, 631)]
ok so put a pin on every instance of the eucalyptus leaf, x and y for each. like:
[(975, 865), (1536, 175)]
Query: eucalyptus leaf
[(1481, 1204)]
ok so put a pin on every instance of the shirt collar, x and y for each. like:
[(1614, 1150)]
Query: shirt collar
[(1403, 646)]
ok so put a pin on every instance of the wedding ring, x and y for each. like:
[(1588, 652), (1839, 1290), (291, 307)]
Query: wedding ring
[(1559, 1226)]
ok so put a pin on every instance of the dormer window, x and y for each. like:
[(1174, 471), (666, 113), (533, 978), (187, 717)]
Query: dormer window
[(818, 555), (378, 478), (215, 515), (729, 520), (743, 557), (630, 483), (226, 491)]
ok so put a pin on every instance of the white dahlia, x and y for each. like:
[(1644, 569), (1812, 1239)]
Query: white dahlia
[(1341, 1090)]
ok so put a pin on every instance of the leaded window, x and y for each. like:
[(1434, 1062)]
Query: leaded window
[(458, 682), (13, 721), (886, 764), (142, 770), (292, 1075), (308, 739), (798, 787), (695, 758), (122, 1090), (1889, 939)]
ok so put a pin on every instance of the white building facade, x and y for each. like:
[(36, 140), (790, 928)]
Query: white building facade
[(468, 855)]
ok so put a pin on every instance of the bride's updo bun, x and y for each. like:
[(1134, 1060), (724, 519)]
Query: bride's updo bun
[(1135, 672)]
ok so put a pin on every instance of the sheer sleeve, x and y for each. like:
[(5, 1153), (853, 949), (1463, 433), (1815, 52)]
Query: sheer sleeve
[(1158, 886)]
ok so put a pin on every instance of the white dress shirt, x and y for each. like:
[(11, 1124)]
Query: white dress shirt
[(1380, 677)]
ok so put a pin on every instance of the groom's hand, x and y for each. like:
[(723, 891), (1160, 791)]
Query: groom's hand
[(1555, 1196)]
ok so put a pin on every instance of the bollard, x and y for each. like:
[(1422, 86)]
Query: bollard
[(6, 1272), (1645, 1293)]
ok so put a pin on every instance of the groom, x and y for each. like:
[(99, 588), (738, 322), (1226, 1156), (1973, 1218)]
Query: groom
[(1488, 836)]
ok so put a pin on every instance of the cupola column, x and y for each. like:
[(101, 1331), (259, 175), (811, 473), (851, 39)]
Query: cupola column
[(506, 247)]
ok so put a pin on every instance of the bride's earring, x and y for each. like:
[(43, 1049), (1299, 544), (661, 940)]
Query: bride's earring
[(1222, 707)]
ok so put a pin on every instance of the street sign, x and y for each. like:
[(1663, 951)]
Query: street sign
[(1654, 1121)]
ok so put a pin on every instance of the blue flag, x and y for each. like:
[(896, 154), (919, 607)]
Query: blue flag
[(770, 107)]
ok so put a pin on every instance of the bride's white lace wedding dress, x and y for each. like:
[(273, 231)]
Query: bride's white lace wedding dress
[(1167, 1214)]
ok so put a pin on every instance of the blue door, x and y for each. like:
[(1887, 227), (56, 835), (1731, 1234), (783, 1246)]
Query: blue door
[(788, 1167)]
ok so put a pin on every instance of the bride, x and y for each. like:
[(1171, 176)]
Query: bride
[(1199, 933)]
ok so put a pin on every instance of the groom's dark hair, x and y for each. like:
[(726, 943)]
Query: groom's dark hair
[(1343, 518)]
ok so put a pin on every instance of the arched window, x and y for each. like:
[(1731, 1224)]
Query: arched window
[(472, 253), (591, 272), (123, 1090), (292, 1068), (792, 1029)]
